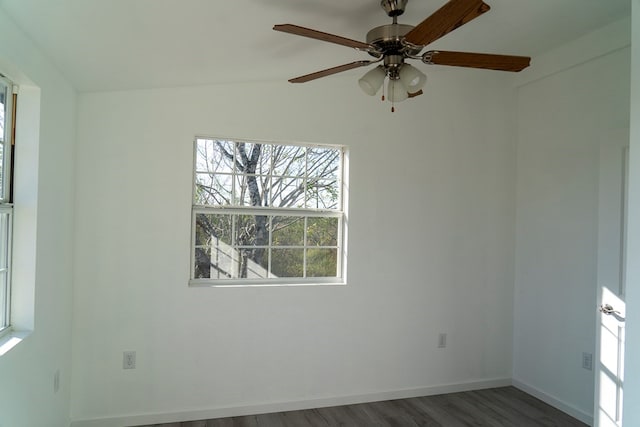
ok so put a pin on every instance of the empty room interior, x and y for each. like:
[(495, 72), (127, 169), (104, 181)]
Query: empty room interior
[(483, 234)]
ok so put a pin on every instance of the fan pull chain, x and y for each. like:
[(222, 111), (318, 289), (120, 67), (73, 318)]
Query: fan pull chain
[(392, 94)]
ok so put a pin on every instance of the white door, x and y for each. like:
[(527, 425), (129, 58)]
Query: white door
[(612, 219)]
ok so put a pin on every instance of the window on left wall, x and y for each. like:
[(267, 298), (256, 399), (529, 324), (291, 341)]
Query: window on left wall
[(7, 126)]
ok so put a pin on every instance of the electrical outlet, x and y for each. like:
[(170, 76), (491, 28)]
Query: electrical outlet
[(587, 361), (56, 381), (442, 340), (129, 360)]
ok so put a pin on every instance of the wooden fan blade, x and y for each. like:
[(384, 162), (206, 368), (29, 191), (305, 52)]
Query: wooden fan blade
[(478, 60), (319, 35), (446, 19), (414, 94), (330, 71)]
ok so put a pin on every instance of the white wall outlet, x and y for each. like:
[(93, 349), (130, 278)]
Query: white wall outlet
[(56, 381), (587, 361), (129, 360), (442, 340)]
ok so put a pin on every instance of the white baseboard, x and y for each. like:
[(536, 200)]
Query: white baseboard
[(204, 414), (555, 402)]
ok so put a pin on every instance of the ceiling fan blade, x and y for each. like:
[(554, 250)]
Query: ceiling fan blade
[(319, 35), (444, 20), (477, 60), (330, 71), (414, 94)]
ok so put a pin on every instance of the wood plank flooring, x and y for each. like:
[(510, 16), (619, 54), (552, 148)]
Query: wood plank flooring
[(497, 407)]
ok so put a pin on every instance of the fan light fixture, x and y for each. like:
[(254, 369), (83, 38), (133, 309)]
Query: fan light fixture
[(371, 82), (397, 91), (405, 81), (402, 83), (412, 78)]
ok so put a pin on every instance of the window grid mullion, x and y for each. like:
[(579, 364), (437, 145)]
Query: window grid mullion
[(234, 175), (306, 177), (268, 211), (269, 251), (233, 243), (304, 250), (340, 178)]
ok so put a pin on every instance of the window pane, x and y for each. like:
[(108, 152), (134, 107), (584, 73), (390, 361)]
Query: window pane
[(213, 230), (323, 163), (287, 192), (202, 263), (5, 224), (287, 262), (322, 194), (287, 231), (248, 156), (4, 94), (4, 239), (263, 166), (266, 175), (214, 255), (224, 261), (220, 262), (251, 238), (251, 230), (213, 189), (204, 155), (289, 160), (322, 262), (2, 170), (322, 231), (253, 263), (4, 321), (215, 156), (4, 130), (251, 190)]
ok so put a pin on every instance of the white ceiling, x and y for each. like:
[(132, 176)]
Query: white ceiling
[(129, 44)]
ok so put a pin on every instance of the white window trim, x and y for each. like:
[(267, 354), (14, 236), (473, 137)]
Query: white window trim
[(6, 207), (25, 198), (340, 213)]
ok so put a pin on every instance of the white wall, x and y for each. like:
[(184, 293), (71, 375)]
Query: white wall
[(430, 250), (567, 103), (442, 168), (43, 230), (631, 415)]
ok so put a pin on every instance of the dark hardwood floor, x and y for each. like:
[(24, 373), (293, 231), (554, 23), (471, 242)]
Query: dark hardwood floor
[(497, 407)]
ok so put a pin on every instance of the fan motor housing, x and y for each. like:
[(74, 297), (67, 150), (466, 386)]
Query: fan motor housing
[(388, 39)]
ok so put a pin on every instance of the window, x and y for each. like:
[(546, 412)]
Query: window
[(266, 213), (6, 209)]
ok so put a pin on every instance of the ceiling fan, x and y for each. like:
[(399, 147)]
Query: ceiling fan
[(392, 44)]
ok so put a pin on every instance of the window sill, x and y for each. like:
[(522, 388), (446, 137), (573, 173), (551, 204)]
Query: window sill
[(203, 283), (11, 340)]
